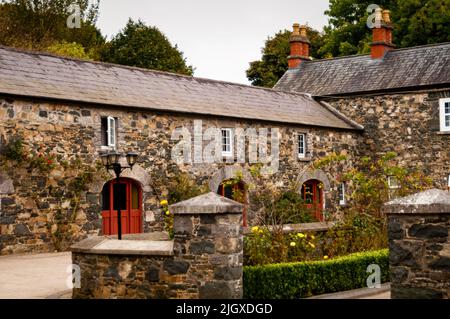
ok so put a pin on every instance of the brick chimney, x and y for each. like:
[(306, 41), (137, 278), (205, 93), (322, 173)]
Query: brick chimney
[(382, 34), (299, 46)]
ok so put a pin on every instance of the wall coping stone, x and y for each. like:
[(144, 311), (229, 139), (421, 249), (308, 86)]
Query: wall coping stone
[(210, 203), (432, 201), (103, 245)]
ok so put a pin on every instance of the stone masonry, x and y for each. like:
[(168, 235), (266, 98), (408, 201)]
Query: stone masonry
[(203, 261), (405, 123), (419, 245), (72, 132)]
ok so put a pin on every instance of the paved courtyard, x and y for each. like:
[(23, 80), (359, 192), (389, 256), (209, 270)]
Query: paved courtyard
[(44, 276), (33, 276)]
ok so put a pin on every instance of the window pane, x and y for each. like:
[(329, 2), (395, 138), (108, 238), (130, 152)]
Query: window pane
[(120, 196), (111, 131), (447, 120), (226, 140), (447, 108), (228, 192), (104, 128), (308, 194), (134, 197), (301, 144)]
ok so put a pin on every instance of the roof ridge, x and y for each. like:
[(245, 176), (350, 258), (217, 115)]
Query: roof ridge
[(201, 79), (368, 54)]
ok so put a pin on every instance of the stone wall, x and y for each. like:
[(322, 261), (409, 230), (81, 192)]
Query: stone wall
[(72, 131), (406, 123), (203, 261), (419, 245)]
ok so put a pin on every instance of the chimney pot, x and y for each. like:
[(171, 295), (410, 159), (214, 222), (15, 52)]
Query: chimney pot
[(382, 34), (303, 31), (387, 16), (299, 43), (296, 28)]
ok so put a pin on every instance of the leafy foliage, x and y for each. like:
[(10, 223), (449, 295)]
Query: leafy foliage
[(74, 50), (145, 46), (37, 24), (304, 279), (416, 22), (264, 246), (273, 63)]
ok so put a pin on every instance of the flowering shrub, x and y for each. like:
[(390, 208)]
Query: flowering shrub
[(263, 246), (167, 217)]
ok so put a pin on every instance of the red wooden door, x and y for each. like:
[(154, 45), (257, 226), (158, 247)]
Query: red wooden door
[(228, 191), (312, 194), (127, 195)]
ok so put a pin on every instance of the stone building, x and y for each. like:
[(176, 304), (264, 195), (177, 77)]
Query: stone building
[(67, 112), (400, 96)]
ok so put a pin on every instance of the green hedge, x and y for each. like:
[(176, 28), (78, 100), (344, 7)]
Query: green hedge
[(304, 279)]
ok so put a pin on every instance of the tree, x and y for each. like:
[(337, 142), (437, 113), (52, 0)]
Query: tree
[(37, 24), (145, 46), (273, 63), (73, 49), (416, 22)]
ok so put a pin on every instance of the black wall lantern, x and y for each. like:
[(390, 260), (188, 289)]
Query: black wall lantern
[(111, 161)]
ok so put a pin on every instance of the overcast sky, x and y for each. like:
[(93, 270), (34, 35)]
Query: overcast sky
[(218, 37)]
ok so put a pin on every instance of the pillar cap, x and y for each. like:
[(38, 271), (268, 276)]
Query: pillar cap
[(432, 201), (210, 203)]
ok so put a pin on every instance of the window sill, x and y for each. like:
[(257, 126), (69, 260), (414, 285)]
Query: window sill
[(443, 133), (305, 159)]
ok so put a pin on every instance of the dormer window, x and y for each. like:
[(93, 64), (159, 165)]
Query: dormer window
[(109, 131), (444, 114), (302, 145), (227, 142)]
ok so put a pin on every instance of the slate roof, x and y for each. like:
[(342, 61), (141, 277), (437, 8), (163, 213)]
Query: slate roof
[(402, 69), (41, 75)]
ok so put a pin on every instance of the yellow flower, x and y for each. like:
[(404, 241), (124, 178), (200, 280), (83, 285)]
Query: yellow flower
[(311, 244), (325, 257), (292, 244), (164, 202), (167, 213), (260, 231), (301, 235), (312, 237), (255, 229)]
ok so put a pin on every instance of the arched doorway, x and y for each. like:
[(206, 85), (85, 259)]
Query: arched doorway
[(312, 195), (236, 191), (126, 194)]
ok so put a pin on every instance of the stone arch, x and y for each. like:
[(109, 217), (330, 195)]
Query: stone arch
[(228, 172), (138, 173), (316, 174)]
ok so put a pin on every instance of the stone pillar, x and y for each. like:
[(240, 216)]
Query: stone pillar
[(419, 245), (208, 235)]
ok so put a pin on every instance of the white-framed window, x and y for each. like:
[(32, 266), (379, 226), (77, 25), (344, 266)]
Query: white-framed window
[(448, 181), (227, 142), (393, 182), (109, 131), (341, 190), (444, 114), (301, 145)]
